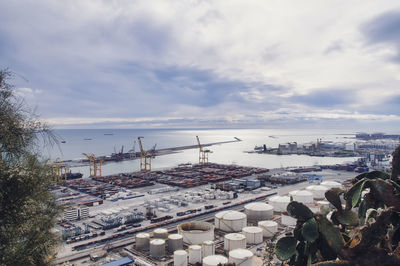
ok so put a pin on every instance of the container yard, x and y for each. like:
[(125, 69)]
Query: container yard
[(196, 175), (164, 222)]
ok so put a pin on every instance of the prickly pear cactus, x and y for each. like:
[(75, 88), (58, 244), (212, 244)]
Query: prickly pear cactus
[(367, 235)]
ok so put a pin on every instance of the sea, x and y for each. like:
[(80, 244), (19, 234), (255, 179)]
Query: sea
[(107, 141)]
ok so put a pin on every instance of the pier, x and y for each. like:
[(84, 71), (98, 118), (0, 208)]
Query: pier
[(136, 155)]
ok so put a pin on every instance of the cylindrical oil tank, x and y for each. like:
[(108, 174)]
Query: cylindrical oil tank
[(240, 256), (258, 211), (230, 221), (253, 234), (324, 203), (215, 260), (160, 233), (208, 248), (318, 191), (195, 233), (303, 196), (288, 220), (142, 241), (291, 193), (157, 248), (175, 242), (270, 228), (279, 203), (180, 258), (331, 184), (194, 254), (234, 241), (315, 208)]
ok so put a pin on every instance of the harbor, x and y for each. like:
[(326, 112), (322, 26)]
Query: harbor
[(115, 223), (147, 216), (374, 149)]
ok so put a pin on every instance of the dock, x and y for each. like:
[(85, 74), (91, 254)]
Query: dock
[(136, 155)]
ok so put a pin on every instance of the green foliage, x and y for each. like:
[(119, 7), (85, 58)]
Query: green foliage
[(285, 247), (299, 211), (330, 233), (396, 165), (310, 230), (369, 235), (27, 208), (333, 196), (346, 217), (354, 193)]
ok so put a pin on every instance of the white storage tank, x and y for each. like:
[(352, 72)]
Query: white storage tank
[(142, 241), (160, 233), (230, 221), (318, 191), (279, 203), (303, 196), (214, 260), (324, 203), (288, 220), (208, 248), (315, 208), (253, 234), (194, 254), (242, 257), (157, 248), (180, 258), (291, 193), (234, 241), (258, 211), (270, 228), (331, 184), (175, 242), (196, 232)]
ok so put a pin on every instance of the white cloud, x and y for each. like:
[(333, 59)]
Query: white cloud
[(94, 58)]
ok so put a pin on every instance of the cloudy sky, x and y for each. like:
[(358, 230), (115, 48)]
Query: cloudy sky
[(230, 64)]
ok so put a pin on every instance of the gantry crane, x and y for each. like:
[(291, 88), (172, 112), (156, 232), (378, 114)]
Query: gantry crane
[(203, 154), (95, 165), (132, 152), (60, 170), (145, 157)]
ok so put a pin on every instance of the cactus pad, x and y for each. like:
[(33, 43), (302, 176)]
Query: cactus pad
[(285, 248)]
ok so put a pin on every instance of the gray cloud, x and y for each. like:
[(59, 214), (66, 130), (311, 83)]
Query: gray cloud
[(135, 64), (384, 29), (326, 98), (335, 46)]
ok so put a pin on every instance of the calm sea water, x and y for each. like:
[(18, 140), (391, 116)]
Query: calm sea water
[(232, 153)]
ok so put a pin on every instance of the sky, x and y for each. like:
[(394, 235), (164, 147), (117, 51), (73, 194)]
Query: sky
[(206, 64)]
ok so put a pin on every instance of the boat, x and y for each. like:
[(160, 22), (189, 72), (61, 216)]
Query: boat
[(108, 134), (63, 141), (87, 139), (74, 176)]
